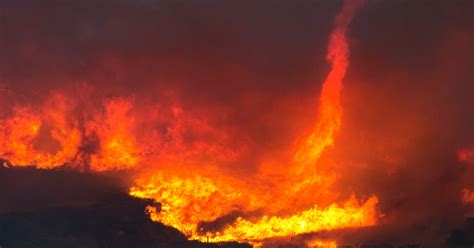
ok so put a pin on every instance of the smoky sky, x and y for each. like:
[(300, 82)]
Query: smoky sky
[(217, 48), (408, 95), (408, 107), (255, 61)]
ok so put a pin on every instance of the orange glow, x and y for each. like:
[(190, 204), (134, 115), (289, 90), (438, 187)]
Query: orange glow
[(52, 137), (117, 143), (330, 110), (43, 138), (322, 244), (178, 160), (466, 155), (468, 196), (351, 214), (188, 200)]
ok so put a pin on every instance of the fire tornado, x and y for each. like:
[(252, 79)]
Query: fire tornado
[(272, 123)]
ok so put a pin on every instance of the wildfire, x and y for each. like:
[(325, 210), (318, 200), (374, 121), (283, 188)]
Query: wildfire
[(188, 199), (351, 214), (322, 244), (330, 110), (53, 137), (466, 155), (117, 148), (468, 196), (22, 134), (186, 202)]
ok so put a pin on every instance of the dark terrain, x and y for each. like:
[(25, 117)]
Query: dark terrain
[(65, 208), (62, 208)]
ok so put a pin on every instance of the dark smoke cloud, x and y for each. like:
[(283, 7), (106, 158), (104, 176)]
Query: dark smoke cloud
[(408, 107), (168, 40), (252, 61)]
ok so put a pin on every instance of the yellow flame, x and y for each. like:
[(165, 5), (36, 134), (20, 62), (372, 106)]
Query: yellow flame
[(322, 244), (188, 201)]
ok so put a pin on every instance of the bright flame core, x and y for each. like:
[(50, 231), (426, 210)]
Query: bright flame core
[(184, 199), (250, 210)]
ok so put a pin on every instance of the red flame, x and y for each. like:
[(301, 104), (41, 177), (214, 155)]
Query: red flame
[(180, 159)]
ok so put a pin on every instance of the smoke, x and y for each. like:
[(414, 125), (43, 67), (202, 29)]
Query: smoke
[(234, 83), (172, 54), (408, 110)]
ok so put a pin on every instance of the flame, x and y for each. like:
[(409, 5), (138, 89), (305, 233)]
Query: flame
[(183, 196), (187, 201), (466, 155), (330, 110), (351, 214), (190, 201), (59, 138), (53, 137), (468, 196), (322, 244), (118, 149), (188, 187)]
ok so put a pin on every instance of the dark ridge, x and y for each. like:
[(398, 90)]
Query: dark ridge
[(225, 220), (62, 208)]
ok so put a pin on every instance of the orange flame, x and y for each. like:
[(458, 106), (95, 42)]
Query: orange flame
[(466, 155), (48, 138), (43, 138), (112, 139), (322, 244), (330, 110), (187, 199), (118, 148), (190, 201), (468, 196)]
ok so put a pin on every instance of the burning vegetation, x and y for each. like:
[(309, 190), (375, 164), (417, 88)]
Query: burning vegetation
[(267, 165)]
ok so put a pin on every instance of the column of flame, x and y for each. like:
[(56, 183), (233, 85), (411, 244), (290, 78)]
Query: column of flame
[(351, 214), (330, 110), (187, 200)]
